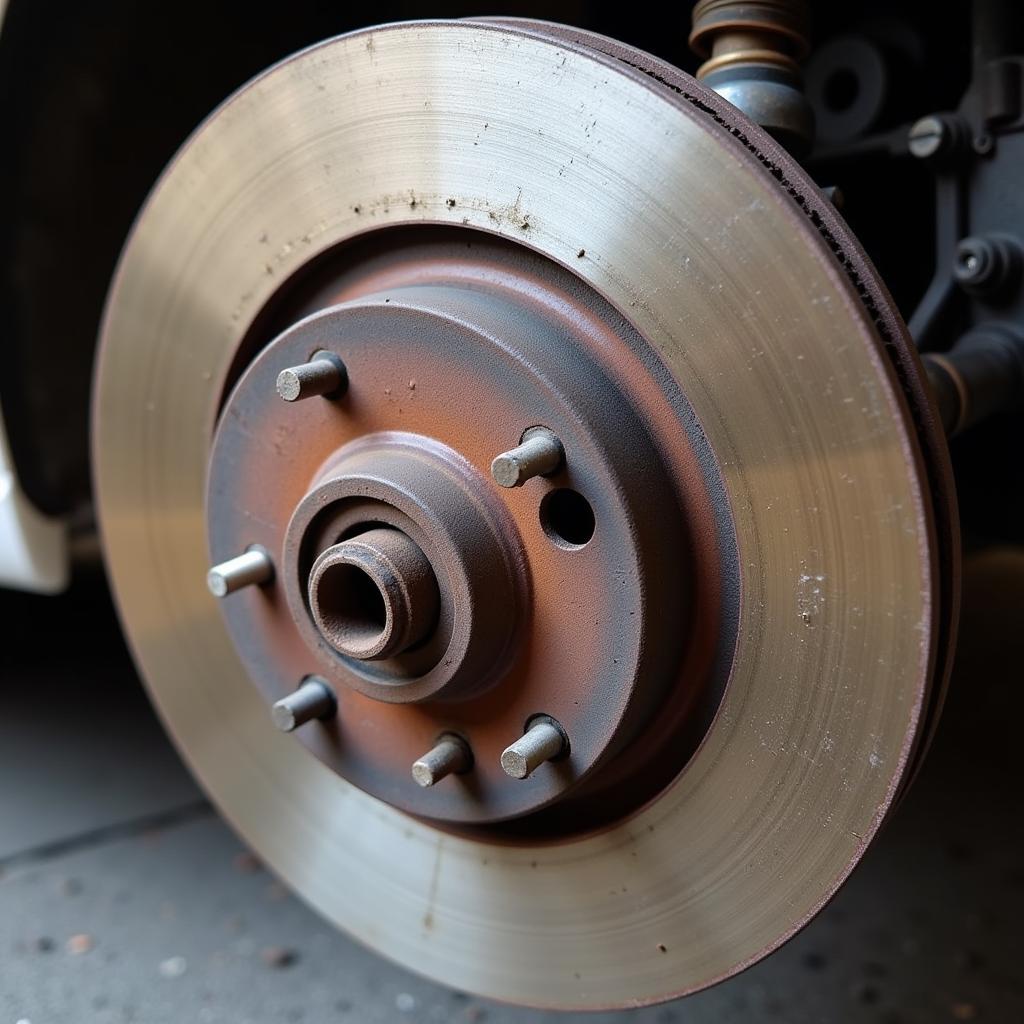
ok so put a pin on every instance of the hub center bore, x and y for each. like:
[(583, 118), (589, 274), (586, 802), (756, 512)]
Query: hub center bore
[(374, 595), (403, 574)]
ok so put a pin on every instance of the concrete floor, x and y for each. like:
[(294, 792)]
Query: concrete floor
[(123, 897)]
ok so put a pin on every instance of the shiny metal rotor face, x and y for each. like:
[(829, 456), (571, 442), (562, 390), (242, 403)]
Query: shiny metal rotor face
[(761, 357)]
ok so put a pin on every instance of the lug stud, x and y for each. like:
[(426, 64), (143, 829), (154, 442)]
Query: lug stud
[(544, 740), (313, 699), (449, 756), (539, 454), (253, 566), (324, 374)]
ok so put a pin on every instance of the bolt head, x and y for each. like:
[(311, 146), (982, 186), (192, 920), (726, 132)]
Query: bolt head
[(926, 137), (975, 263)]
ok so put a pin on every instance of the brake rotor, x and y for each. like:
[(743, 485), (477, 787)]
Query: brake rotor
[(723, 593)]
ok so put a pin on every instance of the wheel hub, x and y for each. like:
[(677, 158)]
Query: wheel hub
[(431, 560), (433, 592)]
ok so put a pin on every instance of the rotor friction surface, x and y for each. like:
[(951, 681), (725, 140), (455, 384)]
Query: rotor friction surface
[(598, 167)]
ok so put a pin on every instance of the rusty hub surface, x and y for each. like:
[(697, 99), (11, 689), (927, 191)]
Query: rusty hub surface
[(433, 600)]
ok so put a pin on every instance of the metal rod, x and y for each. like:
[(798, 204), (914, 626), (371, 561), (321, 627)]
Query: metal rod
[(539, 454), (980, 376), (544, 740), (449, 756), (313, 699), (253, 566), (324, 375)]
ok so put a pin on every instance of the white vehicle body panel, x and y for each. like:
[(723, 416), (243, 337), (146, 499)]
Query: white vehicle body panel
[(33, 547)]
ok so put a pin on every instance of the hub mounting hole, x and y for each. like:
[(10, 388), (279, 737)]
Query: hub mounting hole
[(567, 518)]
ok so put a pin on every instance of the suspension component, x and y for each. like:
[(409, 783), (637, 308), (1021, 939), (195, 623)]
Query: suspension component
[(752, 52), (982, 375), (988, 266)]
